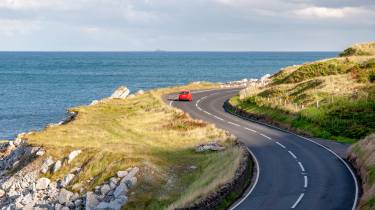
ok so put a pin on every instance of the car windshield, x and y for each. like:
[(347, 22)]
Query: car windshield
[(184, 92)]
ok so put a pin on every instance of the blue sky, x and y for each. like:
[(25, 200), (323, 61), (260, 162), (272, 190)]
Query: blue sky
[(185, 25)]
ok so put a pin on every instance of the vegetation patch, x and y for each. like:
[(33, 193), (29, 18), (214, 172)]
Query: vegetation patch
[(142, 131)]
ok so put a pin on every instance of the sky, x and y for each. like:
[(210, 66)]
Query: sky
[(185, 25)]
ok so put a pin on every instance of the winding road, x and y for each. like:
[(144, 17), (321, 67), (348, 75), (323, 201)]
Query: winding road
[(293, 172)]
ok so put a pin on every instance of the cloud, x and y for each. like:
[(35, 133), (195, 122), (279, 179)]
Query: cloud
[(17, 27), (324, 12)]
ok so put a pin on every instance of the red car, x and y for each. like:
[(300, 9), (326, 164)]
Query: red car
[(185, 95)]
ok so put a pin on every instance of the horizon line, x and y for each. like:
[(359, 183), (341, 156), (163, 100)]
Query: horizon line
[(162, 51)]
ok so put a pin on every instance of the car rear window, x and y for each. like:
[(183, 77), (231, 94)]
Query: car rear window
[(184, 92)]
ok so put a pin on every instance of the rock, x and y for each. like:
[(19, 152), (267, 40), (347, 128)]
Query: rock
[(78, 202), (64, 196), (94, 102), (105, 189), (58, 206), (57, 166), (121, 92), (213, 146), (17, 141), (131, 182), (42, 183), (75, 170), (121, 189), (140, 92), (65, 208), (28, 199), (91, 200), (131, 96), (122, 173), (46, 164), (2, 193), (73, 155), (40, 152), (66, 180), (102, 205), (118, 202)]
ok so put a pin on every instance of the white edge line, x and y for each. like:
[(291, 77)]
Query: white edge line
[(292, 154), (281, 145), (255, 182), (301, 166), (298, 200), (316, 143), (306, 181), (218, 118), (170, 103)]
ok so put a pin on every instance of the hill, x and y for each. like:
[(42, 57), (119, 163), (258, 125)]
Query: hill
[(332, 98)]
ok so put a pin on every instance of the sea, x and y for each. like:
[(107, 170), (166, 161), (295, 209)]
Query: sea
[(36, 88)]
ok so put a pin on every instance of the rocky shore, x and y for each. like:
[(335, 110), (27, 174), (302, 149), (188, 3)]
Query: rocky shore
[(23, 185)]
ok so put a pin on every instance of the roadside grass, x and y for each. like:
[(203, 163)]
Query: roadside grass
[(142, 131), (332, 98)]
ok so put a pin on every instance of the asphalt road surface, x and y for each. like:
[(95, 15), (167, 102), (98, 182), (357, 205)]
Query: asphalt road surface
[(293, 172)]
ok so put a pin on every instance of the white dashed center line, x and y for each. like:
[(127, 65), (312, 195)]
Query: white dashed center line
[(292, 154), (298, 200), (301, 166), (218, 118), (306, 182), (281, 145), (233, 123), (249, 129), (267, 137)]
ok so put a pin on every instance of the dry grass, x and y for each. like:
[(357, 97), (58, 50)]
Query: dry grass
[(361, 49), (144, 132)]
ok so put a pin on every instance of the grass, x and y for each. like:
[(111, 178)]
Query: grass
[(143, 131), (332, 98), (363, 49)]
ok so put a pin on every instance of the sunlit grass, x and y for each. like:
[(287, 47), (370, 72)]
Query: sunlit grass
[(143, 131)]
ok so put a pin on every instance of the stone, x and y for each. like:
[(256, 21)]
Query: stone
[(131, 182), (42, 183), (131, 96), (140, 92), (122, 173), (46, 164), (57, 166), (40, 152), (73, 155), (64, 196), (17, 141), (65, 208), (58, 206), (105, 189), (91, 200), (121, 93), (66, 180), (78, 202), (118, 202), (94, 102), (211, 146), (121, 189), (102, 205), (2, 193), (28, 199)]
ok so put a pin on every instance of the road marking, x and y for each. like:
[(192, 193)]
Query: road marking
[(281, 145), (306, 181), (301, 166), (218, 118), (292, 154), (255, 182), (199, 108), (170, 103), (267, 137), (298, 200), (233, 123), (249, 129)]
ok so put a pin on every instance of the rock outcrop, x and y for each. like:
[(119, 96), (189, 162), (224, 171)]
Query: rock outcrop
[(210, 146), (121, 92), (25, 189)]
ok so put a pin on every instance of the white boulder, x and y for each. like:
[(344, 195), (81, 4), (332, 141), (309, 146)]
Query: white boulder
[(73, 155), (121, 92), (42, 183)]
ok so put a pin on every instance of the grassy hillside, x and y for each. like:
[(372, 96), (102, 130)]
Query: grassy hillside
[(332, 98), (142, 131), (362, 156), (360, 50)]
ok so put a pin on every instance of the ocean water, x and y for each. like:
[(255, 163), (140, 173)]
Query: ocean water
[(36, 88)]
